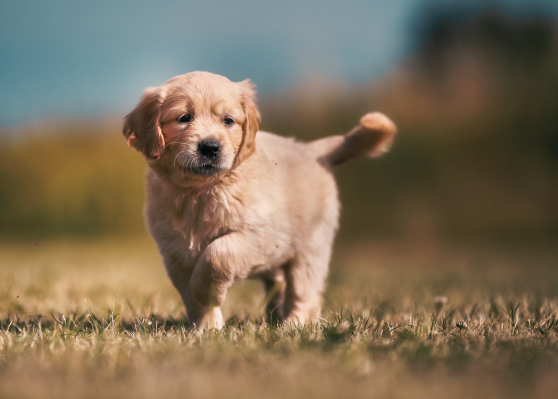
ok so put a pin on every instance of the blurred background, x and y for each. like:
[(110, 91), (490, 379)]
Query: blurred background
[(472, 86)]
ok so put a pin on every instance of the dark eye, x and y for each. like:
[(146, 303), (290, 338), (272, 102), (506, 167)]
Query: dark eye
[(228, 121), (185, 118)]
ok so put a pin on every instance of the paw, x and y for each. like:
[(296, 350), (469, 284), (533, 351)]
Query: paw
[(212, 318), (215, 318)]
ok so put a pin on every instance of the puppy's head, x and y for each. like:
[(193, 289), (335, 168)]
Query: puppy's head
[(196, 126)]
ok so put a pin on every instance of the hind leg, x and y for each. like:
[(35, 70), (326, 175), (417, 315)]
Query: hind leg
[(274, 284), (305, 282), (306, 274)]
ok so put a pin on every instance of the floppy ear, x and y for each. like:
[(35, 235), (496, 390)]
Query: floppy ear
[(251, 125), (142, 127)]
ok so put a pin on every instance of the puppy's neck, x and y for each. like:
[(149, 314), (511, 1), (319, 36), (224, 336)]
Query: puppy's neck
[(202, 212), (202, 191)]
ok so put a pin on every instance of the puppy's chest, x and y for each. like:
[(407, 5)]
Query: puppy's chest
[(203, 218)]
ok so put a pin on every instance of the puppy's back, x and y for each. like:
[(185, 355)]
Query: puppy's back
[(306, 185)]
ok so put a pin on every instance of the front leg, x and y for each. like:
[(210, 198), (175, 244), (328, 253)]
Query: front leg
[(227, 258), (180, 275)]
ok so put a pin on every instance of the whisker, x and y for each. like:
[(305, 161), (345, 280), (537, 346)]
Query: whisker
[(177, 155), (185, 161), (172, 142)]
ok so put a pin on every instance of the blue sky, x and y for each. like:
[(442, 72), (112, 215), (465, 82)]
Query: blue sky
[(72, 58)]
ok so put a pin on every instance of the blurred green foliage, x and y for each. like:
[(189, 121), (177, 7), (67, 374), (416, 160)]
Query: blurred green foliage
[(476, 155), (69, 184)]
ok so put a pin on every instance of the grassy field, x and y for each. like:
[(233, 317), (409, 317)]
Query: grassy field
[(101, 319), (90, 312)]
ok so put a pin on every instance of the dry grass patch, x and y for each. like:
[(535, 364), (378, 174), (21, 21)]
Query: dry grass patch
[(102, 319)]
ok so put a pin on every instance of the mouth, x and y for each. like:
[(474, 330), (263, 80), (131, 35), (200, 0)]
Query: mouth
[(207, 169)]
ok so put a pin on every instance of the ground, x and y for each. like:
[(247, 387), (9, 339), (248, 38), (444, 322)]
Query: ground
[(422, 320)]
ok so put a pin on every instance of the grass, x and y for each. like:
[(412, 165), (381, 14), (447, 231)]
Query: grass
[(101, 319)]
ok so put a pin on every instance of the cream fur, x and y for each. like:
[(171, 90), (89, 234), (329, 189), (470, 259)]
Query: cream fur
[(267, 209)]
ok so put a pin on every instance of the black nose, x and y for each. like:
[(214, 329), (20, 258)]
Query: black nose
[(209, 149)]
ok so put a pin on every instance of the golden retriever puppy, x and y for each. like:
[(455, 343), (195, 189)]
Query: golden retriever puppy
[(227, 202)]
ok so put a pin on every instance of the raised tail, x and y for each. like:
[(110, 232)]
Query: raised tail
[(371, 139)]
